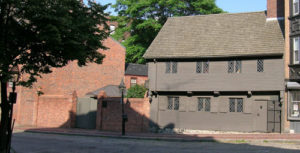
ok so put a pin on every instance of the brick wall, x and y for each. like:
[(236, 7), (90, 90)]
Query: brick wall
[(64, 81), (137, 110), (275, 8), (140, 80), (55, 111)]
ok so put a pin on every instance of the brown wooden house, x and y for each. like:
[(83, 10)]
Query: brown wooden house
[(218, 72)]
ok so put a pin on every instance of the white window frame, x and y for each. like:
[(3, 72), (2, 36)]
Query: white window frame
[(133, 81), (291, 104), (295, 48), (295, 4)]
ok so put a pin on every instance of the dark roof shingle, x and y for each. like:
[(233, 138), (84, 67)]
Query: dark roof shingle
[(136, 69), (219, 35)]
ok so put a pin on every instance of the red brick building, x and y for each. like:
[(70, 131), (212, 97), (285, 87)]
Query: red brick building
[(135, 74), (56, 106)]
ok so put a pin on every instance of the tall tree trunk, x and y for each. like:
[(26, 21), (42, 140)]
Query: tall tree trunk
[(4, 119)]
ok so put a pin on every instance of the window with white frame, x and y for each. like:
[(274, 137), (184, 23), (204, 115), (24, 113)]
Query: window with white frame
[(132, 82), (296, 51), (294, 104), (295, 7), (112, 29)]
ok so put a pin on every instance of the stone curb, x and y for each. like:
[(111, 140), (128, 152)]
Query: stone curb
[(171, 139)]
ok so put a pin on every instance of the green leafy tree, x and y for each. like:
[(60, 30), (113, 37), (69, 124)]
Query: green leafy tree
[(143, 19), (37, 35), (136, 91)]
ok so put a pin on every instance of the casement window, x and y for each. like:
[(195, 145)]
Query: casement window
[(236, 105), (112, 29), (173, 103), (133, 82), (171, 67), (294, 104), (202, 67), (235, 66), (204, 104), (296, 50), (260, 65), (295, 7)]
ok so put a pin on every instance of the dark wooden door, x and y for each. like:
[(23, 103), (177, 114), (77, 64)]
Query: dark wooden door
[(86, 113), (274, 116)]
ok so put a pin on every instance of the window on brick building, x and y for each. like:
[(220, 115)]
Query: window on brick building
[(133, 82), (295, 7), (296, 50)]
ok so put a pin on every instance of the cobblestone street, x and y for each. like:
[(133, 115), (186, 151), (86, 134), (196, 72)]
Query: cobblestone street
[(24, 142)]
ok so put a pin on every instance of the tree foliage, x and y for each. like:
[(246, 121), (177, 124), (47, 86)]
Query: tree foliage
[(37, 35), (136, 91), (143, 19)]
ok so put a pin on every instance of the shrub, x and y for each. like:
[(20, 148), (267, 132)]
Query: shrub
[(136, 91)]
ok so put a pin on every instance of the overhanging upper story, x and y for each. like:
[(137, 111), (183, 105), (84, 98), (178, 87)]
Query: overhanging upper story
[(224, 52)]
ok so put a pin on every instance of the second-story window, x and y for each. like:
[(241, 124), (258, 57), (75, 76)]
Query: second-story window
[(171, 67), (235, 66), (296, 51), (202, 67), (295, 7), (260, 65)]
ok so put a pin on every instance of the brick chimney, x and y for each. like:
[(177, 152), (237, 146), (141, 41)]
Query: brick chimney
[(275, 9)]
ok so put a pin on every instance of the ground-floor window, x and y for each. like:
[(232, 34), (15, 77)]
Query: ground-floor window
[(204, 104), (294, 104), (236, 105), (173, 103)]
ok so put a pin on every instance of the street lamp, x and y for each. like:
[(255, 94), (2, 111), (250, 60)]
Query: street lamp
[(15, 76), (124, 117)]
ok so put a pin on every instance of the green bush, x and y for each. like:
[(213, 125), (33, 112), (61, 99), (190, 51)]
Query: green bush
[(136, 91)]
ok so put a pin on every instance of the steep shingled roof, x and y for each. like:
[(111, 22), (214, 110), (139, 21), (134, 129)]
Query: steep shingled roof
[(136, 69), (219, 35)]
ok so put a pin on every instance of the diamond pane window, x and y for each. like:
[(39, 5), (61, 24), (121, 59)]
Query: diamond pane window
[(199, 67), (230, 66), (176, 103), (170, 103), (205, 67), (231, 105), (200, 104), (238, 66), (168, 67), (239, 105), (260, 65), (174, 67), (207, 104)]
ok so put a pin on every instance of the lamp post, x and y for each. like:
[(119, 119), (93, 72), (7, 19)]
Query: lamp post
[(124, 117), (15, 76)]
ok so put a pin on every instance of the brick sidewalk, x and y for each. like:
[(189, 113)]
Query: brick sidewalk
[(158, 136)]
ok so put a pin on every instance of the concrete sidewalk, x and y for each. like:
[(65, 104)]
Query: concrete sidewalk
[(166, 137)]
